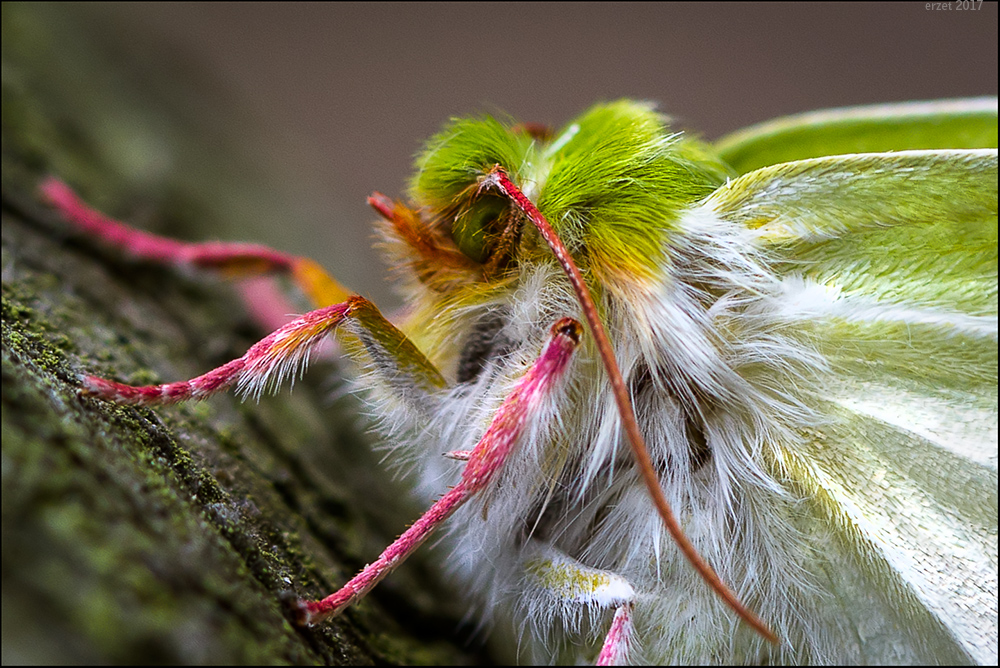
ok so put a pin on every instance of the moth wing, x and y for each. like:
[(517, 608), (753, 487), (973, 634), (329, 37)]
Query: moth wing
[(889, 264), (962, 123)]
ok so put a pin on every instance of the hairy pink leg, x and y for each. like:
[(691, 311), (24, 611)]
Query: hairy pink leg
[(486, 459), (270, 359), (619, 639), (240, 260), (277, 356), (152, 247)]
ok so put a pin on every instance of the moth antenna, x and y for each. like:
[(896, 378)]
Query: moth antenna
[(497, 178)]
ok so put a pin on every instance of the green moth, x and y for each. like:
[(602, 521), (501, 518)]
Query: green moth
[(800, 321)]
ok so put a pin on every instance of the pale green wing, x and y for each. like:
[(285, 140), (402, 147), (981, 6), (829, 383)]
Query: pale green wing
[(889, 263), (965, 123)]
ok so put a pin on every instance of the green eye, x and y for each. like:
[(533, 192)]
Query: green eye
[(475, 227)]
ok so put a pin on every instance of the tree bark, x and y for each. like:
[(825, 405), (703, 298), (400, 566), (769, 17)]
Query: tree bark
[(175, 534)]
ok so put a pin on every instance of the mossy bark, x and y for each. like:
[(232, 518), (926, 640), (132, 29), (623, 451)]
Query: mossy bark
[(175, 534)]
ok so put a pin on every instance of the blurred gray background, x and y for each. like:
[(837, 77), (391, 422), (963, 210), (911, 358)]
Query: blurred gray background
[(336, 98)]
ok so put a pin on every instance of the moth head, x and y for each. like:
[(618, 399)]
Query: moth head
[(612, 183)]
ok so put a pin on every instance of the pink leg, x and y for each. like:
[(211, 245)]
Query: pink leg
[(236, 260), (278, 355), (268, 361), (485, 460), (619, 639)]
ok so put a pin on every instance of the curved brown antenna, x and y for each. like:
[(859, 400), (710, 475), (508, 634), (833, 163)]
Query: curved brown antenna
[(497, 178)]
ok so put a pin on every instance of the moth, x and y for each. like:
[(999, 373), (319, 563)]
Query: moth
[(788, 336)]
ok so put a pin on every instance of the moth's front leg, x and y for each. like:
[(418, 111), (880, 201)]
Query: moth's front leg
[(531, 393), (393, 358)]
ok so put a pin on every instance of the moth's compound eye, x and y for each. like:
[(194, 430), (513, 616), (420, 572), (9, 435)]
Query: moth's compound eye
[(477, 226)]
